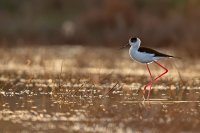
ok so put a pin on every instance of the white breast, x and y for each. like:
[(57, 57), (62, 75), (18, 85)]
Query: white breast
[(141, 56)]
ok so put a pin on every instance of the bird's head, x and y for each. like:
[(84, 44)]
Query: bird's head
[(135, 42)]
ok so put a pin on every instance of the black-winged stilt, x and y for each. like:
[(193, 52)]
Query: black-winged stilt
[(146, 55)]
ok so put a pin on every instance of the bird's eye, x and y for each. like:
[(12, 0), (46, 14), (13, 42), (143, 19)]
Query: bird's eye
[(133, 39)]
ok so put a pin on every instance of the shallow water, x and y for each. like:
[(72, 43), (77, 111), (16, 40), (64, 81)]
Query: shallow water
[(38, 95)]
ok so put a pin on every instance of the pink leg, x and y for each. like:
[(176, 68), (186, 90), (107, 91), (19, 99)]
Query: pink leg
[(151, 78), (150, 83)]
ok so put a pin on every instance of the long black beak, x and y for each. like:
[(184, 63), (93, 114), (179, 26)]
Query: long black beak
[(124, 46)]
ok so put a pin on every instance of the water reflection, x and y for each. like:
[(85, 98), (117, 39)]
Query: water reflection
[(93, 98), (40, 106)]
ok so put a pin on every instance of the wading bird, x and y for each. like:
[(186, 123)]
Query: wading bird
[(147, 56)]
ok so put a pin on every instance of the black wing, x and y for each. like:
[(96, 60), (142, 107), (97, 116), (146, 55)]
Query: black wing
[(151, 51)]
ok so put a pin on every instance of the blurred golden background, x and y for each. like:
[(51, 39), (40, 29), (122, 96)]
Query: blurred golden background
[(61, 69), (173, 23)]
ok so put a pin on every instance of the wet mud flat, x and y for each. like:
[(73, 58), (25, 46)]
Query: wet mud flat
[(68, 89)]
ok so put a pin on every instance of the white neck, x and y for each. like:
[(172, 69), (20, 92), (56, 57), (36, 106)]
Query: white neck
[(136, 45)]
